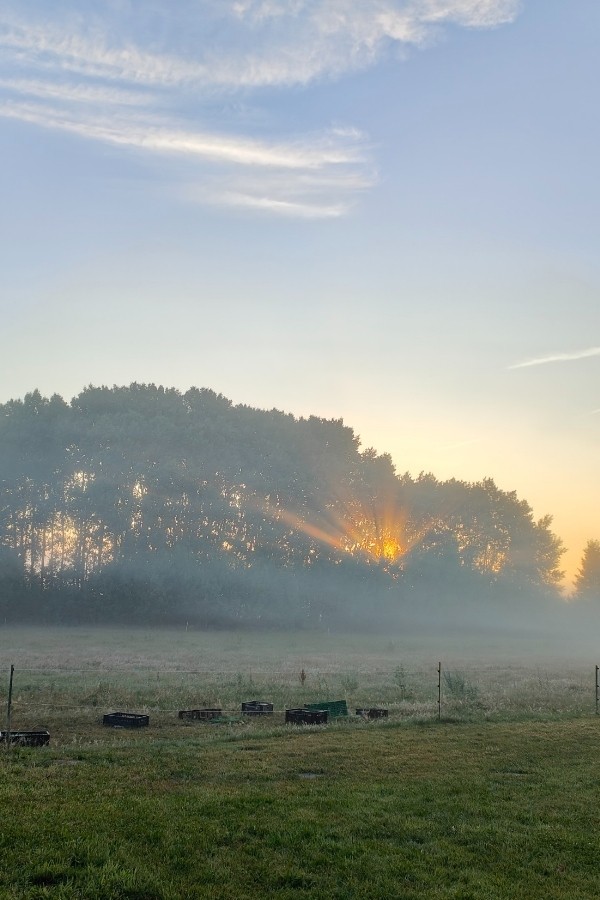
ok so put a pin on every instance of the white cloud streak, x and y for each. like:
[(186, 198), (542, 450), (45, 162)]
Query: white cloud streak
[(557, 358), (90, 54), (285, 208), (252, 44), (153, 134), (100, 72), (74, 93), (309, 196)]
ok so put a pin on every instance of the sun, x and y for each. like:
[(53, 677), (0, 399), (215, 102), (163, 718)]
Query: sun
[(391, 549)]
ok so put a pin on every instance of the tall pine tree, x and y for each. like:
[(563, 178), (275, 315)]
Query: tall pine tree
[(587, 582)]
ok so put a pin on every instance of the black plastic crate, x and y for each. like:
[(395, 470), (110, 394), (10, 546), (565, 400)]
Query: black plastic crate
[(126, 720), (202, 715), (306, 716), (27, 738), (372, 712), (257, 708)]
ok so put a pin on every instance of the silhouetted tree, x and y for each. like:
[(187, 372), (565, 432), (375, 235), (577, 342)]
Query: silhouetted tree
[(587, 582)]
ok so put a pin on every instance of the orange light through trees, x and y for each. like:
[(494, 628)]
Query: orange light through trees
[(385, 535)]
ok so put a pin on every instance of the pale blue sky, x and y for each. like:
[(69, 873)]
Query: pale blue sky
[(368, 209)]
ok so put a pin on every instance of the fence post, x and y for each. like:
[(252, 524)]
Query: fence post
[(597, 691), (439, 690), (9, 707)]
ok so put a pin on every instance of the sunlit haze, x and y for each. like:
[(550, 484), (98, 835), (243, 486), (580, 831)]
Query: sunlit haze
[(384, 211)]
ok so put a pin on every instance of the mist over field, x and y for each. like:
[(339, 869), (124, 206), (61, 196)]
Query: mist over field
[(146, 506)]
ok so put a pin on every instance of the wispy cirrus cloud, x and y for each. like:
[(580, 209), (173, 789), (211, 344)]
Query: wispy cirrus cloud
[(90, 52), (557, 358), (136, 76), (90, 94), (286, 208), (316, 152), (319, 37), (235, 43)]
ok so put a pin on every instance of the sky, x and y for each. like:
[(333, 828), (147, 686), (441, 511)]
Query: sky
[(385, 211)]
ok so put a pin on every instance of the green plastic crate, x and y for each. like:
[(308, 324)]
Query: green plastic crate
[(335, 708)]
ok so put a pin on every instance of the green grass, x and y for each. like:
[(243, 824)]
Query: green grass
[(352, 810), (498, 800)]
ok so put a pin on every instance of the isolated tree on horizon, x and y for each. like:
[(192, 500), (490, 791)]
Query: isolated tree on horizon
[(587, 582)]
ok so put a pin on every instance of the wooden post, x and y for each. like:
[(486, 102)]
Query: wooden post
[(9, 707), (439, 690)]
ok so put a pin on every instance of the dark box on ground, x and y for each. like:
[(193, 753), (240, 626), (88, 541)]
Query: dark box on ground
[(202, 715), (306, 716), (257, 708), (372, 712), (126, 720), (27, 738)]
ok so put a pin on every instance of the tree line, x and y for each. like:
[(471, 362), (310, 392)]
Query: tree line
[(145, 504)]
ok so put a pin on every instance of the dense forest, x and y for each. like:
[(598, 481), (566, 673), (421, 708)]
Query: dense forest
[(144, 504)]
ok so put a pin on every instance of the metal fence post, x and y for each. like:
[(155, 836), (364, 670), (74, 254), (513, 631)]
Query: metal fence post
[(439, 690), (597, 691), (9, 707)]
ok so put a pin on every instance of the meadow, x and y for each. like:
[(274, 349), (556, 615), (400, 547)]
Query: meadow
[(495, 799)]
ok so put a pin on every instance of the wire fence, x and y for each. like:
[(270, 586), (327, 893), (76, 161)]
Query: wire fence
[(66, 697)]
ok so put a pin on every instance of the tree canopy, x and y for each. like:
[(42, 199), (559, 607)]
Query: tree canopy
[(145, 503)]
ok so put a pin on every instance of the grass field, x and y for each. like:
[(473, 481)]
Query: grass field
[(496, 800)]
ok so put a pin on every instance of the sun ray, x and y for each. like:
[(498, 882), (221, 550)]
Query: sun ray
[(384, 533)]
